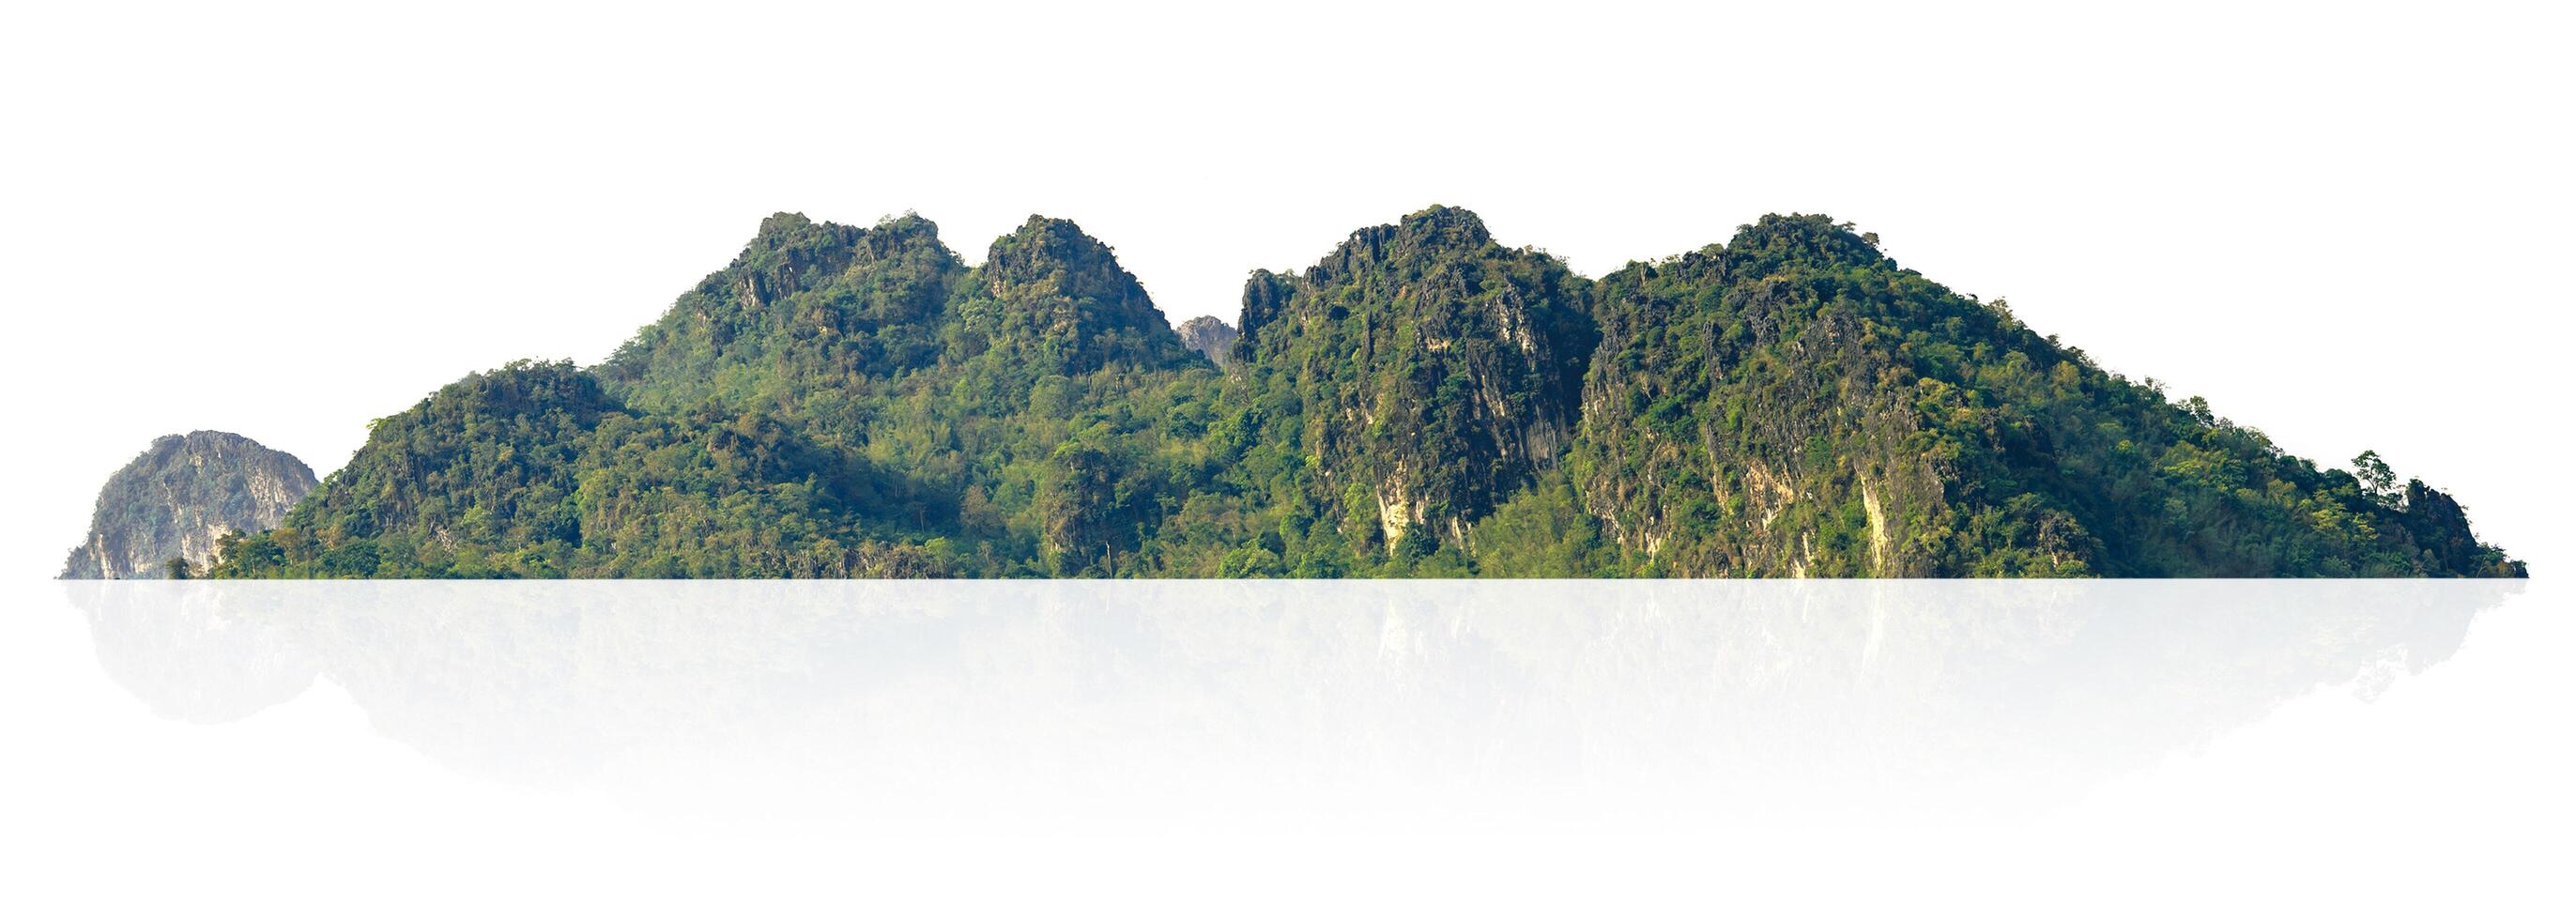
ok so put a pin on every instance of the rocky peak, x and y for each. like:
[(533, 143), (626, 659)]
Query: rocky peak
[(1059, 298), (782, 224), (1054, 253), (790, 254), (1467, 356), (1424, 240), (1210, 336), (793, 254), (1441, 224), (1801, 238), (819, 299), (180, 496)]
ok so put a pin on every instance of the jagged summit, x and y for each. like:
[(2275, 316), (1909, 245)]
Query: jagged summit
[(1463, 361), (793, 254), (1430, 240), (1058, 297), (1043, 244), (1804, 237), (1438, 225), (1054, 256), (1421, 234), (803, 298), (783, 223)]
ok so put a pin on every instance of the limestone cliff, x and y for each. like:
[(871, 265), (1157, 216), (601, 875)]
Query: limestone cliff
[(176, 499), (1437, 368), (1732, 424), (1210, 336)]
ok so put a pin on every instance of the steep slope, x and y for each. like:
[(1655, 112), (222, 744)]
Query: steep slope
[(1794, 403), (1057, 301), (807, 310), (176, 500), (1742, 405), (1436, 370)]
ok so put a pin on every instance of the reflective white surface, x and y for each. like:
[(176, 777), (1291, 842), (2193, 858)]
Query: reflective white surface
[(1228, 748)]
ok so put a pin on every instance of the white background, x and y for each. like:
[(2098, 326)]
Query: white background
[(2346, 224), (2150, 749)]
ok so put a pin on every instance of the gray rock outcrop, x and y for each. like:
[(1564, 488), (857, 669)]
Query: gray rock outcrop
[(179, 497), (1210, 336)]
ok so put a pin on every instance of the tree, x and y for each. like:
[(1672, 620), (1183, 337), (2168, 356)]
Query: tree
[(2377, 480)]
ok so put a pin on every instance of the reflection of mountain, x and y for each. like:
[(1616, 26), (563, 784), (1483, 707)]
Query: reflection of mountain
[(946, 698), (188, 655)]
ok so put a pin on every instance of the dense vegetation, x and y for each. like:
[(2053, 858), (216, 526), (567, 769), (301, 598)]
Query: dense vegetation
[(846, 401)]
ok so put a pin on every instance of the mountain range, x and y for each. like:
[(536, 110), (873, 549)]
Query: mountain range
[(1423, 401)]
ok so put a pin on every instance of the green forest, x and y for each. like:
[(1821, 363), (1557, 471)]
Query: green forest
[(859, 402)]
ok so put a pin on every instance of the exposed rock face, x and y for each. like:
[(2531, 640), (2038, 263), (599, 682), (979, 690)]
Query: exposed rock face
[(1056, 298), (1211, 336), (1712, 379), (1439, 370), (176, 499)]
